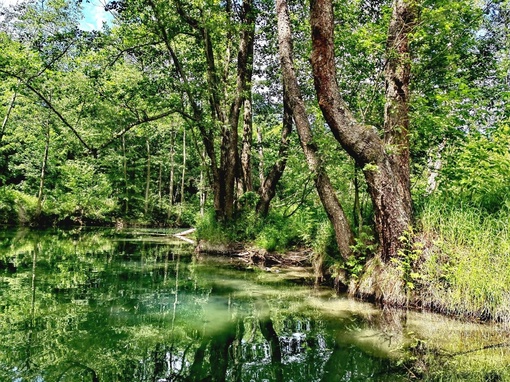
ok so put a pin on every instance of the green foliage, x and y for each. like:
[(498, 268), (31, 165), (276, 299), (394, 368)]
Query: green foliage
[(8, 213), (276, 232), (477, 173), (279, 232), (324, 243), (406, 262), (16, 207), (363, 248), (82, 194), (211, 230), (467, 260)]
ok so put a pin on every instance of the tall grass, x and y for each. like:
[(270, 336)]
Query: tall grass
[(466, 267)]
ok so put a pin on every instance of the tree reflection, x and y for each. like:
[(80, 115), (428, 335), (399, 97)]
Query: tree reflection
[(84, 307)]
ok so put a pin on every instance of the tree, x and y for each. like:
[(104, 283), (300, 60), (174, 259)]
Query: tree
[(200, 49), (385, 162), (323, 185)]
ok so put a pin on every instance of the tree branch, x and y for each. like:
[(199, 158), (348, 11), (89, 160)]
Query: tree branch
[(134, 124)]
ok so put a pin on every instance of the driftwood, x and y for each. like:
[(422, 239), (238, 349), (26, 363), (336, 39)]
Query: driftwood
[(256, 256), (182, 235)]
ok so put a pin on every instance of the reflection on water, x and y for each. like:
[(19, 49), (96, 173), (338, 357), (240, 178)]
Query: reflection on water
[(134, 306)]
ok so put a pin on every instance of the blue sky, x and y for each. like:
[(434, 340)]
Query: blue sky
[(93, 13)]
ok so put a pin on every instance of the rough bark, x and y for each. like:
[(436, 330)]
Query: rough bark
[(336, 215), (385, 161)]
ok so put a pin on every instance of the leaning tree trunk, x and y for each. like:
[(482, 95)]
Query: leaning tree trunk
[(327, 195), (385, 162)]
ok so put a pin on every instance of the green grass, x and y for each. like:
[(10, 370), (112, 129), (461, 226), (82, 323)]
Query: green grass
[(466, 262)]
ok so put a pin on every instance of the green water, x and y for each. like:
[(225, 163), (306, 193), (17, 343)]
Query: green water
[(100, 305)]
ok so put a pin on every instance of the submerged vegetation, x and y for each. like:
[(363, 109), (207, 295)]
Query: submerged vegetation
[(182, 113), (100, 304)]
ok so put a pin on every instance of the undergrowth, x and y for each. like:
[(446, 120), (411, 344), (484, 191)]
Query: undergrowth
[(276, 232), (466, 261)]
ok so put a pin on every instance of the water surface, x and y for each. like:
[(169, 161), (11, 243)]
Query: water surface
[(139, 305)]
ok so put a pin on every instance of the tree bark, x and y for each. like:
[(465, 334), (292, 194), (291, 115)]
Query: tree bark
[(336, 215), (385, 162), (223, 176)]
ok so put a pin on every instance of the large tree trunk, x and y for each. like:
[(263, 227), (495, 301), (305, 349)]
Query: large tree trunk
[(385, 162), (336, 215)]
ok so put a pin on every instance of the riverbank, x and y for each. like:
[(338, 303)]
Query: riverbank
[(455, 262)]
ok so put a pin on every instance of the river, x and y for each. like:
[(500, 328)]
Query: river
[(139, 305)]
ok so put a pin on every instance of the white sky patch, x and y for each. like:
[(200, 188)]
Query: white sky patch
[(93, 15), (4, 3)]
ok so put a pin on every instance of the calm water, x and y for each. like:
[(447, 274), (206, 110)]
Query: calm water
[(99, 305)]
